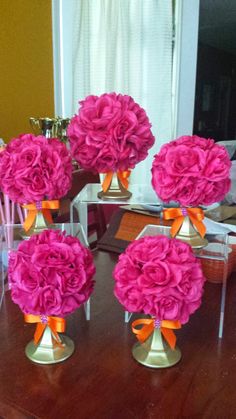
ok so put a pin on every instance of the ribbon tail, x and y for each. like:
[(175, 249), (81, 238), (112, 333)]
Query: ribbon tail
[(39, 332), (169, 336), (124, 181), (47, 214), (107, 181), (201, 228), (177, 223), (30, 219)]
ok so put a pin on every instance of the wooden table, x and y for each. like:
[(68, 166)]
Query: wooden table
[(102, 380)]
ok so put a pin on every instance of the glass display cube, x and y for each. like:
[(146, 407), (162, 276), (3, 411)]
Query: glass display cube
[(141, 195), (213, 256)]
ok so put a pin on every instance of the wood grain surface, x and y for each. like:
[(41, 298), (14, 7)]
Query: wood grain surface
[(102, 380)]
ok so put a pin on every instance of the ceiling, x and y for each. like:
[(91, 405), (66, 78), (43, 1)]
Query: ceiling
[(217, 24)]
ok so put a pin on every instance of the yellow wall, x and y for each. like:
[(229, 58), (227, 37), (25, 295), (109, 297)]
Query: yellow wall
[(26, 64)]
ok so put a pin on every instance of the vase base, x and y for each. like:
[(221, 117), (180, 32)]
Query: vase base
[(114, 195), (156, 358), (44, 354), (196, 242)]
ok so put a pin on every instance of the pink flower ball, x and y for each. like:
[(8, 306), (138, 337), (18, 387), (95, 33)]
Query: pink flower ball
[(111, 132), (51, 274), (192, 171), (35, 168), (161, 277)]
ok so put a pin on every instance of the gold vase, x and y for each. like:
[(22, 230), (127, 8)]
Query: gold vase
[(190, 235), (48, 350), (155, 352), (37, 227), (115, 191)]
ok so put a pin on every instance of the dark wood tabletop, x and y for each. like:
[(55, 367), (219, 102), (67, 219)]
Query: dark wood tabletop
[(101, 380)]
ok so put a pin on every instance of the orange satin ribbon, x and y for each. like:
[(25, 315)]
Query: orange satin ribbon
[(148, 326), (56, 324), (33, 210), (123, 176), (196, 216)]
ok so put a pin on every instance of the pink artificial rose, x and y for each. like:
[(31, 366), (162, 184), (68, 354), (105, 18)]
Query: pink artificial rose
[(151, 249), (216, 191), (189, 191), (180, 252), (72, 284), (168, 307), (185, 161), (132, 299), (71, 302), (217, 165), (127, 272), (111, 132), (156, 276), (55, 254), (26, 277), (51, 274), (49, 300), (192, 171)]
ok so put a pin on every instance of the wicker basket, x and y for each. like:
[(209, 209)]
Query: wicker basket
[(213, 269)]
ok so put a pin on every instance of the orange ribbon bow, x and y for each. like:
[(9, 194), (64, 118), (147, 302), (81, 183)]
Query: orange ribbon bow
[(123, 176), (33, 209), (196, 216), (148, 326), (56, 324)]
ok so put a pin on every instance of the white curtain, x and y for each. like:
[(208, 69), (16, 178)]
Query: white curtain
[(125, 46)]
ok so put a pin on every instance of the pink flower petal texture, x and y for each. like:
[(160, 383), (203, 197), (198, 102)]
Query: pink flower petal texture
[(192, 171), (35, 168), (161, 277), (111, 132), (51, 274)]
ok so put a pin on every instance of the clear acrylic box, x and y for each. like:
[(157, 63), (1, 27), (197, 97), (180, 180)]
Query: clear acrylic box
[(141, 195), (211, 254), (11, 238)]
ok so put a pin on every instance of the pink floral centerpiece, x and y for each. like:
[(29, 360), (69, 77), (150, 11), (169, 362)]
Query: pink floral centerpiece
[(161, 277), (35, 172), (50, 275), (34, 168), (110, 134), (192, 171)]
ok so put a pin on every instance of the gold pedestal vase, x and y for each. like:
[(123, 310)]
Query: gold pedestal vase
[(153, 350), (115, 186), (40, 223), (48, 347), (38, 218), (188, 226)]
